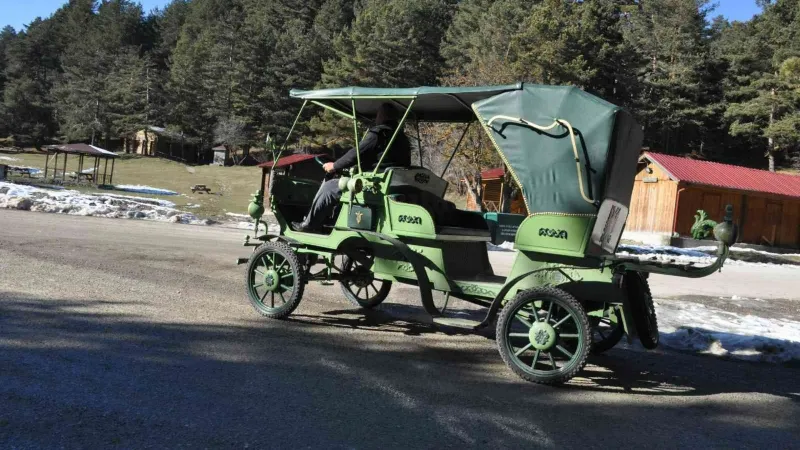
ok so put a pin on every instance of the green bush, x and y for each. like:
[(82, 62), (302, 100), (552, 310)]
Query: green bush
[(703, 226)]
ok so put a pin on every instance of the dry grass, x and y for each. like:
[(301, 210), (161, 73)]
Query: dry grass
[(231, 187)]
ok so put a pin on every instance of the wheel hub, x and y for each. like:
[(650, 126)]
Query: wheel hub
[(272, 280), (542, 336)]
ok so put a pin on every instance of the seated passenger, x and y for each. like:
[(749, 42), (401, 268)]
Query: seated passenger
[(371, 149)]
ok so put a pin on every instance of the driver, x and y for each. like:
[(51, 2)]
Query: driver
[(371, 149)]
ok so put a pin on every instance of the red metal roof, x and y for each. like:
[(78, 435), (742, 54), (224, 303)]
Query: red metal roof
[(288, 160), (489, 174), (726, 176)]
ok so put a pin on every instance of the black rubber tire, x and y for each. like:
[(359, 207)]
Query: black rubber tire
[(296, 269), (368, 303), (643, 311), (565, 301), (610, 340)]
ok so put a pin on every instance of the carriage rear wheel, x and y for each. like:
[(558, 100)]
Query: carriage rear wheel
[(544, 336), (643, 310), (274, 280), (607, 331), (359, 285)]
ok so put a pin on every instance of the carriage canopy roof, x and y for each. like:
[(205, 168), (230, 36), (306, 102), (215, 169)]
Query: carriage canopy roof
[(431, 104), (567, 149)]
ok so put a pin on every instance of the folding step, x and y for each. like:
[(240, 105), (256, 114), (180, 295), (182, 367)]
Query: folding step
[(456, 322)]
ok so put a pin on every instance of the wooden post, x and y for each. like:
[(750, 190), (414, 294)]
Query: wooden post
[(105, 170), (55, 167), (111, 179), (46, 162), (64, 172)]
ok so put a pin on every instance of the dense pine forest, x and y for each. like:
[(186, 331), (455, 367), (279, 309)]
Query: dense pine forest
[(220, 70)]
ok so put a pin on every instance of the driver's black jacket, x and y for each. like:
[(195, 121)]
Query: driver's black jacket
[(372, 147)]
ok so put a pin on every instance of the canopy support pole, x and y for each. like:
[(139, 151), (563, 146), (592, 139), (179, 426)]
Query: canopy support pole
[(105, 171), (111, 179), (419, 143), (391, 141), (64, 171), (334, 110), (286, 142), (46, 162), (355, 132), (455, 150)]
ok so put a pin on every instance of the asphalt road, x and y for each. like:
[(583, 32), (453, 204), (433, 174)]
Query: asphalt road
[(129, 334)]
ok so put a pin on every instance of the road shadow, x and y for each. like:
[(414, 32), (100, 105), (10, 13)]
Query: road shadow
[(78, 373)]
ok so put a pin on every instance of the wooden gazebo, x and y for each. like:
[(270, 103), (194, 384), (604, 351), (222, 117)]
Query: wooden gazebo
[(84, 151)]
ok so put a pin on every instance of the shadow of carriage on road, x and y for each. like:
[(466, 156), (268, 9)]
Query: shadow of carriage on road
[(79, 367)]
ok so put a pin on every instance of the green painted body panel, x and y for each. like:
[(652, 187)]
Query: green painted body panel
[(526, 262), (559, 235)]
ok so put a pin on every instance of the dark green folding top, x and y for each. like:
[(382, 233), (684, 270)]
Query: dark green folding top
[(543, 161), (431, 104)]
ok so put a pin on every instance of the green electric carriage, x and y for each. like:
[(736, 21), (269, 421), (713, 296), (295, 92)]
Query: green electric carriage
[(574, 158)]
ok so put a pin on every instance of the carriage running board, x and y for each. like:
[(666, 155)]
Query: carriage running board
[(456, 322)]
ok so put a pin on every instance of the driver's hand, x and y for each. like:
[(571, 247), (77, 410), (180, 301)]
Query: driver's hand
[(328, 167)]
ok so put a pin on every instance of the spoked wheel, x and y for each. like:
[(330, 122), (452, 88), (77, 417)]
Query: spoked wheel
[(607, 331), (643, 311), (359, 285), (274, 280), (544, 336)]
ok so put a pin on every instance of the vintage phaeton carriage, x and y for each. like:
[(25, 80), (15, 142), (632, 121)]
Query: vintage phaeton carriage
[(574, 158)]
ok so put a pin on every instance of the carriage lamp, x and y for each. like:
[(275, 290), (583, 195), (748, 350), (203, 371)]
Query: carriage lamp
[(726, 231), (256, 207), (355, 185), (343, 183)]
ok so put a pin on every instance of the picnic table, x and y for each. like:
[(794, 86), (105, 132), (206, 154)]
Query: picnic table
[(87, 174), (29, 171)]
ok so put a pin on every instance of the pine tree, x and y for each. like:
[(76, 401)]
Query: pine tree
[(762, 82), (7, 35), (32, 65), (391, 43), (669, 38)]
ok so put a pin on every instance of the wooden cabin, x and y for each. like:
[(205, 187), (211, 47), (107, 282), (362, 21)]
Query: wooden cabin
[(669, 190), (492, 187), (157, 141)]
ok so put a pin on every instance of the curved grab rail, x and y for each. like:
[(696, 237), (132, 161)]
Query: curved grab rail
[(555, 123), (681, 271)]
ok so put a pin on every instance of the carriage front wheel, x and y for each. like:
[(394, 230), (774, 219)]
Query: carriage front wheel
[(544, 335), (274, 280)]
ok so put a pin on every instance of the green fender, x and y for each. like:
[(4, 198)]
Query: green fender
[(498, 300)]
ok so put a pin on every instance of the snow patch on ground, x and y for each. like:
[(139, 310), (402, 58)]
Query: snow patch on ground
[(749, 250), (143, 189), (697, 328), (504, 247), (690, 255), (8, 158), (26, 169), (238, 216), (99, 205)]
